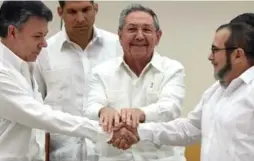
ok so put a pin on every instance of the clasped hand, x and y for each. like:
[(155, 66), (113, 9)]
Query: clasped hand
[(123, 124)]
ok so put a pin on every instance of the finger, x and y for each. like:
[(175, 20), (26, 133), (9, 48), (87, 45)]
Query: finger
[(118, 127), (116, 119), (129, 117), (105, 124), (116, 142), (123, 115), (110, 122), (134, 120), (123, 145), (126, 146), (131, 138)]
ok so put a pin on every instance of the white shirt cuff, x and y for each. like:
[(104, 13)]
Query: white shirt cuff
[(150, 113), (145, 133), (93, 112)]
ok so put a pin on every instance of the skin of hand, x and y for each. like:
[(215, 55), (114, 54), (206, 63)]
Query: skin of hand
[(132, 116), (124, 136), (109, 117)]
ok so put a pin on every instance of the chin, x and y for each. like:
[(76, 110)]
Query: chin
[(33, 59)]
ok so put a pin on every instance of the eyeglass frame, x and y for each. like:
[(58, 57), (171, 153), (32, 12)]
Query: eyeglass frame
[(215, 49)]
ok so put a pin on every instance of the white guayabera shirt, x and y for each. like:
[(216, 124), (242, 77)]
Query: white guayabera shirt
[(158, 91), (223, 120), (62, 76), (21, 111)]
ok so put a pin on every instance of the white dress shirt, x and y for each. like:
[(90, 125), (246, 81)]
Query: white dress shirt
[(158, 91), (223, 120), (21, 110), (62, 77)]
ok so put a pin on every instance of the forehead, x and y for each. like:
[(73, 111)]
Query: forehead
[(35, 25), (221, 37), (77, 4), (139, 18)]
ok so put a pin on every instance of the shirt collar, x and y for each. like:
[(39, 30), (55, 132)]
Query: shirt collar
[(15, 61), (248, 75), (12, 58), (155, 62), (64, 38)]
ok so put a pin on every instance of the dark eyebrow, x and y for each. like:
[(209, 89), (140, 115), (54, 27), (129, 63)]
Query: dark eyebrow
[(40, 33)]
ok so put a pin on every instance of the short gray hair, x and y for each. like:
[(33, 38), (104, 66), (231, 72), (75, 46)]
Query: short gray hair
[(137, 7)]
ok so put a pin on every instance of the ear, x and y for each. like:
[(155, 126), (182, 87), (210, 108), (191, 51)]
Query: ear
[(239, 55), (59, 11), (12, 31), (158, 36)]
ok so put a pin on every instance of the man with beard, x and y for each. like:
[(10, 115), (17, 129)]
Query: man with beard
[(64, 70), (224, 117)]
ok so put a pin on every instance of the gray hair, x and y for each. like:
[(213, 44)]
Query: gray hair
[(137, 7), (17, 13)]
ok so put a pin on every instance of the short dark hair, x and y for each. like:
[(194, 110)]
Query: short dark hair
[(62, 3), (244, 18), (18, 12), (242, 36)]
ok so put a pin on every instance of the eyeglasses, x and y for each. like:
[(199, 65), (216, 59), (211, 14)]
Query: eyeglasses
[(214, 49)]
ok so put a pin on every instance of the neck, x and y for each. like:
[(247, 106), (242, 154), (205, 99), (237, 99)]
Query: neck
[(81, 39), (9, 45), (137, 65)]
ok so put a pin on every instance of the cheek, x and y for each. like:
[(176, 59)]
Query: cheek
[(70, 20), (125, 41), (32, 45), (91, 18), (220, 61), (153, 40)]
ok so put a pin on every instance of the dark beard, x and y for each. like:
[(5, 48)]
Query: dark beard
[(220, 75)]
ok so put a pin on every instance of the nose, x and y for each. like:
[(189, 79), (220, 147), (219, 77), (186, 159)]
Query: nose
[(140, 35), (80, 17), (211, 56), (43, 44)]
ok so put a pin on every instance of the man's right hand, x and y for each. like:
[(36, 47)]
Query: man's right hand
[(109, 117)]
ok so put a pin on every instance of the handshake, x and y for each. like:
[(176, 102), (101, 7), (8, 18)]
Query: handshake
[(123, 124)]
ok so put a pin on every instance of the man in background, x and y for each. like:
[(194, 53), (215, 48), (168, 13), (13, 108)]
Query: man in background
[(64, 70)]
